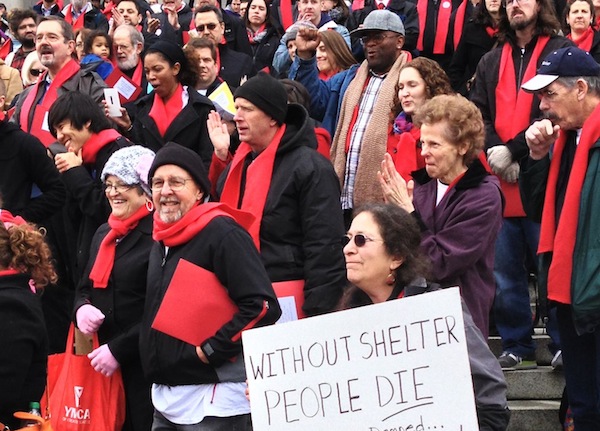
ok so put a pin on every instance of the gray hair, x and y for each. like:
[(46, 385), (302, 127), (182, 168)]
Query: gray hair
[(593, 83), (134, 34)]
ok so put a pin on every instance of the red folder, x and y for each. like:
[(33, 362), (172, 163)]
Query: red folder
[(114, 77), (293, 288), (196, 305)]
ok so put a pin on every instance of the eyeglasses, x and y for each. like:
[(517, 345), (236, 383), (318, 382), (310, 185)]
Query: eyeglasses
[(175, 184), (119, 188), (507, 3), (36, 72), (376, 37), (210, 27), (359, 240)]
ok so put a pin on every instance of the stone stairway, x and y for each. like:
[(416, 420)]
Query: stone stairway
[(534, 395)]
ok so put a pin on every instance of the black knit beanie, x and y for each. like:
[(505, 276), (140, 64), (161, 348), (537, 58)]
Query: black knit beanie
[(267, 93), (175, 154)]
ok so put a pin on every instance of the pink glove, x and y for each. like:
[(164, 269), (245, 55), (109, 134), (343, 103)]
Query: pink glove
[(103, 360), (89, 319)]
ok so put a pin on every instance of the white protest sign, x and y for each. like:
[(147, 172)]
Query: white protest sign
[(401, 365)]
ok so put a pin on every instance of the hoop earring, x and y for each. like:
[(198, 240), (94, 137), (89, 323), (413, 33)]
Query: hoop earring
[(390, 279), (149, 206)]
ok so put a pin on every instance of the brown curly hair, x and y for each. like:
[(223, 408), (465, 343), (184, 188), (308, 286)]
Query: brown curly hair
[(22, 247), (436, 80), (464, 123)]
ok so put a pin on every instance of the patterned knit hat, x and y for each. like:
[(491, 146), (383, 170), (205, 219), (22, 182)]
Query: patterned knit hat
[(130, 165)]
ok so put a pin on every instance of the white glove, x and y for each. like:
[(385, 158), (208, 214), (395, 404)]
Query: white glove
[(89, 319), (511, 174), (499, 158), (103, 360)]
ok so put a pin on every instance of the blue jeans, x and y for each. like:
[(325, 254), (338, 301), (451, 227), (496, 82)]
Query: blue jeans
[(517, 242), (210, 423), (581, 360)]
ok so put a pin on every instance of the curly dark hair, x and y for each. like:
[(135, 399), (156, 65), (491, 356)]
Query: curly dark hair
[(401, 237), (23, 248), (436, 81), (546, 24), (88, 41)]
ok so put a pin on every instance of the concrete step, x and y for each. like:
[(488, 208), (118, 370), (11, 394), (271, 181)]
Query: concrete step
[(542, 354), (534, 415), (542, 383)]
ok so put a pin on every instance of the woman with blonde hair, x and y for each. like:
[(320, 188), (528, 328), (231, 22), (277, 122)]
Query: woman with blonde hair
[(32, 69)]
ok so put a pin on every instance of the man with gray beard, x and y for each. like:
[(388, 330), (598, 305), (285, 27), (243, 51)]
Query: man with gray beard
[(527, 34), (128, 44)]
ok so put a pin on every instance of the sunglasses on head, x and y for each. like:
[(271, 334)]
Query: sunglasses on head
[(359, 240), (37, 72), (210, 27)]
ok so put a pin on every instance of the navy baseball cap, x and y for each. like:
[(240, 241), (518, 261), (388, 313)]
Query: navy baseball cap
[(570, 61)]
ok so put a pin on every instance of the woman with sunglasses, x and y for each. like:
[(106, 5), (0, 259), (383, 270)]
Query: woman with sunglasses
[(32, 69), (457, 203), (110, 297), (170, 112), (384, 263)]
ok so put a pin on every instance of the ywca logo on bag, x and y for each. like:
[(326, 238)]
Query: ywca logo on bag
[(76, 414)]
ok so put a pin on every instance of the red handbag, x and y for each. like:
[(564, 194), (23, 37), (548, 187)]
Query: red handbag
[(80, 398)]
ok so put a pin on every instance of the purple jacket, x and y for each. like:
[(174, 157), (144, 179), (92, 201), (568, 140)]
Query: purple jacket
[(460, 233)]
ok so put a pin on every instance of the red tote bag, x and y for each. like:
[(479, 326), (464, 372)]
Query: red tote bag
[(81, 399)]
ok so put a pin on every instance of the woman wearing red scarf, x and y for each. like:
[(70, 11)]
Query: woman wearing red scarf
[(457, 203), (419, 80), (333, 55), (478, 38), (110, 297), (78, 123), (579, 16), (263, 36), (25, 265), (170, 112)]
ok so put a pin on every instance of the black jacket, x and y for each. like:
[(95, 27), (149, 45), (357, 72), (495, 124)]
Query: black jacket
[(23, 348), (224, 248), (23, 163), (235, 34), (167, 32), (235, 66), (187, 129), (94, 20), (263, 51), (302, 221)]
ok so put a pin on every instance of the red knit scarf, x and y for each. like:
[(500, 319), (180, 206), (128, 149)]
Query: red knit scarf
[(105, 259), (443, 24), (183, 230), (163, 113), (90, 149), (513, 109), (78, 23), (258, 180), (66, 73), (585, 41), (561, 239)]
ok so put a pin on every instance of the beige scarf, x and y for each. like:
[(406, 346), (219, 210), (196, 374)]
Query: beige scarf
[(374, 143)]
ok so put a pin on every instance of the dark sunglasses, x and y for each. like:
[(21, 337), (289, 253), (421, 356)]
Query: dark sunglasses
[(210, 27), (359, 240), (37, 72)]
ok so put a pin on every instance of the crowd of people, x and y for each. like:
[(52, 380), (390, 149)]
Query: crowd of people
[(348, 153)]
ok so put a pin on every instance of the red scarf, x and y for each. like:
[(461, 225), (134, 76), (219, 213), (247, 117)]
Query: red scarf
[(443, 24), (98, 140), (183, 230), (66, 73), (491, 31), (251, 33), (10, 220), (258, 180), (75, 23), (513, 109), (585, 41), (105, 259), (163, 113), (561, 239), (287, 17), (137, 74), (459, 22)]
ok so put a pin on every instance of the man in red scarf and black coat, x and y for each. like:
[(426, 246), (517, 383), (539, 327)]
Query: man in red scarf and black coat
[(527, 34), (559, 184)]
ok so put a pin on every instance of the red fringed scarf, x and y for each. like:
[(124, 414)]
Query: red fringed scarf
[(561, 239), (258, 181), (105, 259), (443, 24), (163, 113), (66, 73), (90, 149), (75, 23), (183, 230), (585, 41), (513, 109)]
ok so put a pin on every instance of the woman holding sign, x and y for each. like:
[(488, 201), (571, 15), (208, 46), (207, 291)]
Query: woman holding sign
[(384, 263)]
